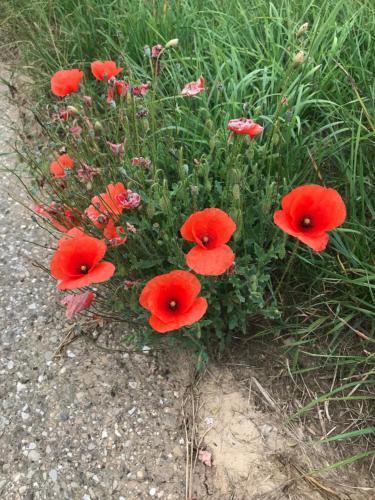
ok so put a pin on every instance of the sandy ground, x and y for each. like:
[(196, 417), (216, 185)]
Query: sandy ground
[(81, 423)]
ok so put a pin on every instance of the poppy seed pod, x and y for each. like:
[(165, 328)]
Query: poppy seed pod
[(299, 58), (302, 29), (172, 43)]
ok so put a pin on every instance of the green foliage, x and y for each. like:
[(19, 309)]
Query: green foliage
[(324, 135)]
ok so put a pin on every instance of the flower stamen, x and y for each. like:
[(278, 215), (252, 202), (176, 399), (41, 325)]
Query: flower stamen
[(172, 305), (84, 269), (306, 222)]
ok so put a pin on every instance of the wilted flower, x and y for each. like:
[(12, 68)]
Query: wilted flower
[(77, 302), (299, 58), (117, 149), (284, 100), (62, 114), (141, 89), (142, 113), (140, 161), (86, 173), (75, 130), (121, 87), (245, 126), (156, 50), (129, 283), (193, 88), (129, 199), (172, 43), (131, 228), (87, 100), (302, 29), (72, 110)]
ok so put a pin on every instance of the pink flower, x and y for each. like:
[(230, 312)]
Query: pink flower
[(117, 149), (121, 87), (131, 228), (245, 126), (129, 199), (87, 100), (86, 173), (76, 130), (141, 89), (129, 283), (156, 49), (77, 302), (99, 219), (140, 161), (284, 100), (193, 88), (63, 114)]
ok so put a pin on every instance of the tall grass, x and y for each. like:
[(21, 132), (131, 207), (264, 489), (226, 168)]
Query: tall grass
[(243, 49)]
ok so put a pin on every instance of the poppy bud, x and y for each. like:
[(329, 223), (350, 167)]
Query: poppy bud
[(172, 43), (235, 176), (299, 58), (302, 29), (194, 190), (72, 110), (147, 50), (236, 192), (98, 127)]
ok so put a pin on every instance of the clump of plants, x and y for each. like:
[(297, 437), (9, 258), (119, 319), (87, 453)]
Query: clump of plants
[(151, 233)]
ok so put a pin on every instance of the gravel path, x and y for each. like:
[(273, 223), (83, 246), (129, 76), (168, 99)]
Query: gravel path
[(85, 424)]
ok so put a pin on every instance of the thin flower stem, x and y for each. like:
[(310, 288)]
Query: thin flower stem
[(286, 270)]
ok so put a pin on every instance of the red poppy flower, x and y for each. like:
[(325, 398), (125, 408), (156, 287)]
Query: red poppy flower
[(66, 81), (173, 301), (121, 87), (193, 88), (105, 69), (245, 126), (115, 234), (61, 217), (76, 261), (58, 166), (99, 219), (76, 302), (110, 201), (308, 212), (211, 229)]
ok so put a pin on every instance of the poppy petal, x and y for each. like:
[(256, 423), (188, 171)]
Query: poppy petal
[(211, 222), (210, 262), (101, 272), (194, 314), (157, 287)]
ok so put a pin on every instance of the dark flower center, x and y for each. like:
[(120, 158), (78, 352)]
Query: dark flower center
[(306, 222), (172, 305), (84, 269), (205, 240)]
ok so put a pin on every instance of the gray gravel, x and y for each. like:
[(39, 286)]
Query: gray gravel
[(86, 424)]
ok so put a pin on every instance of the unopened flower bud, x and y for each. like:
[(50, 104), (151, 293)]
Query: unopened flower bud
[(236, 192), (302, 29), (299, 58), (98, 127), (72, 110), (172, 43)]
